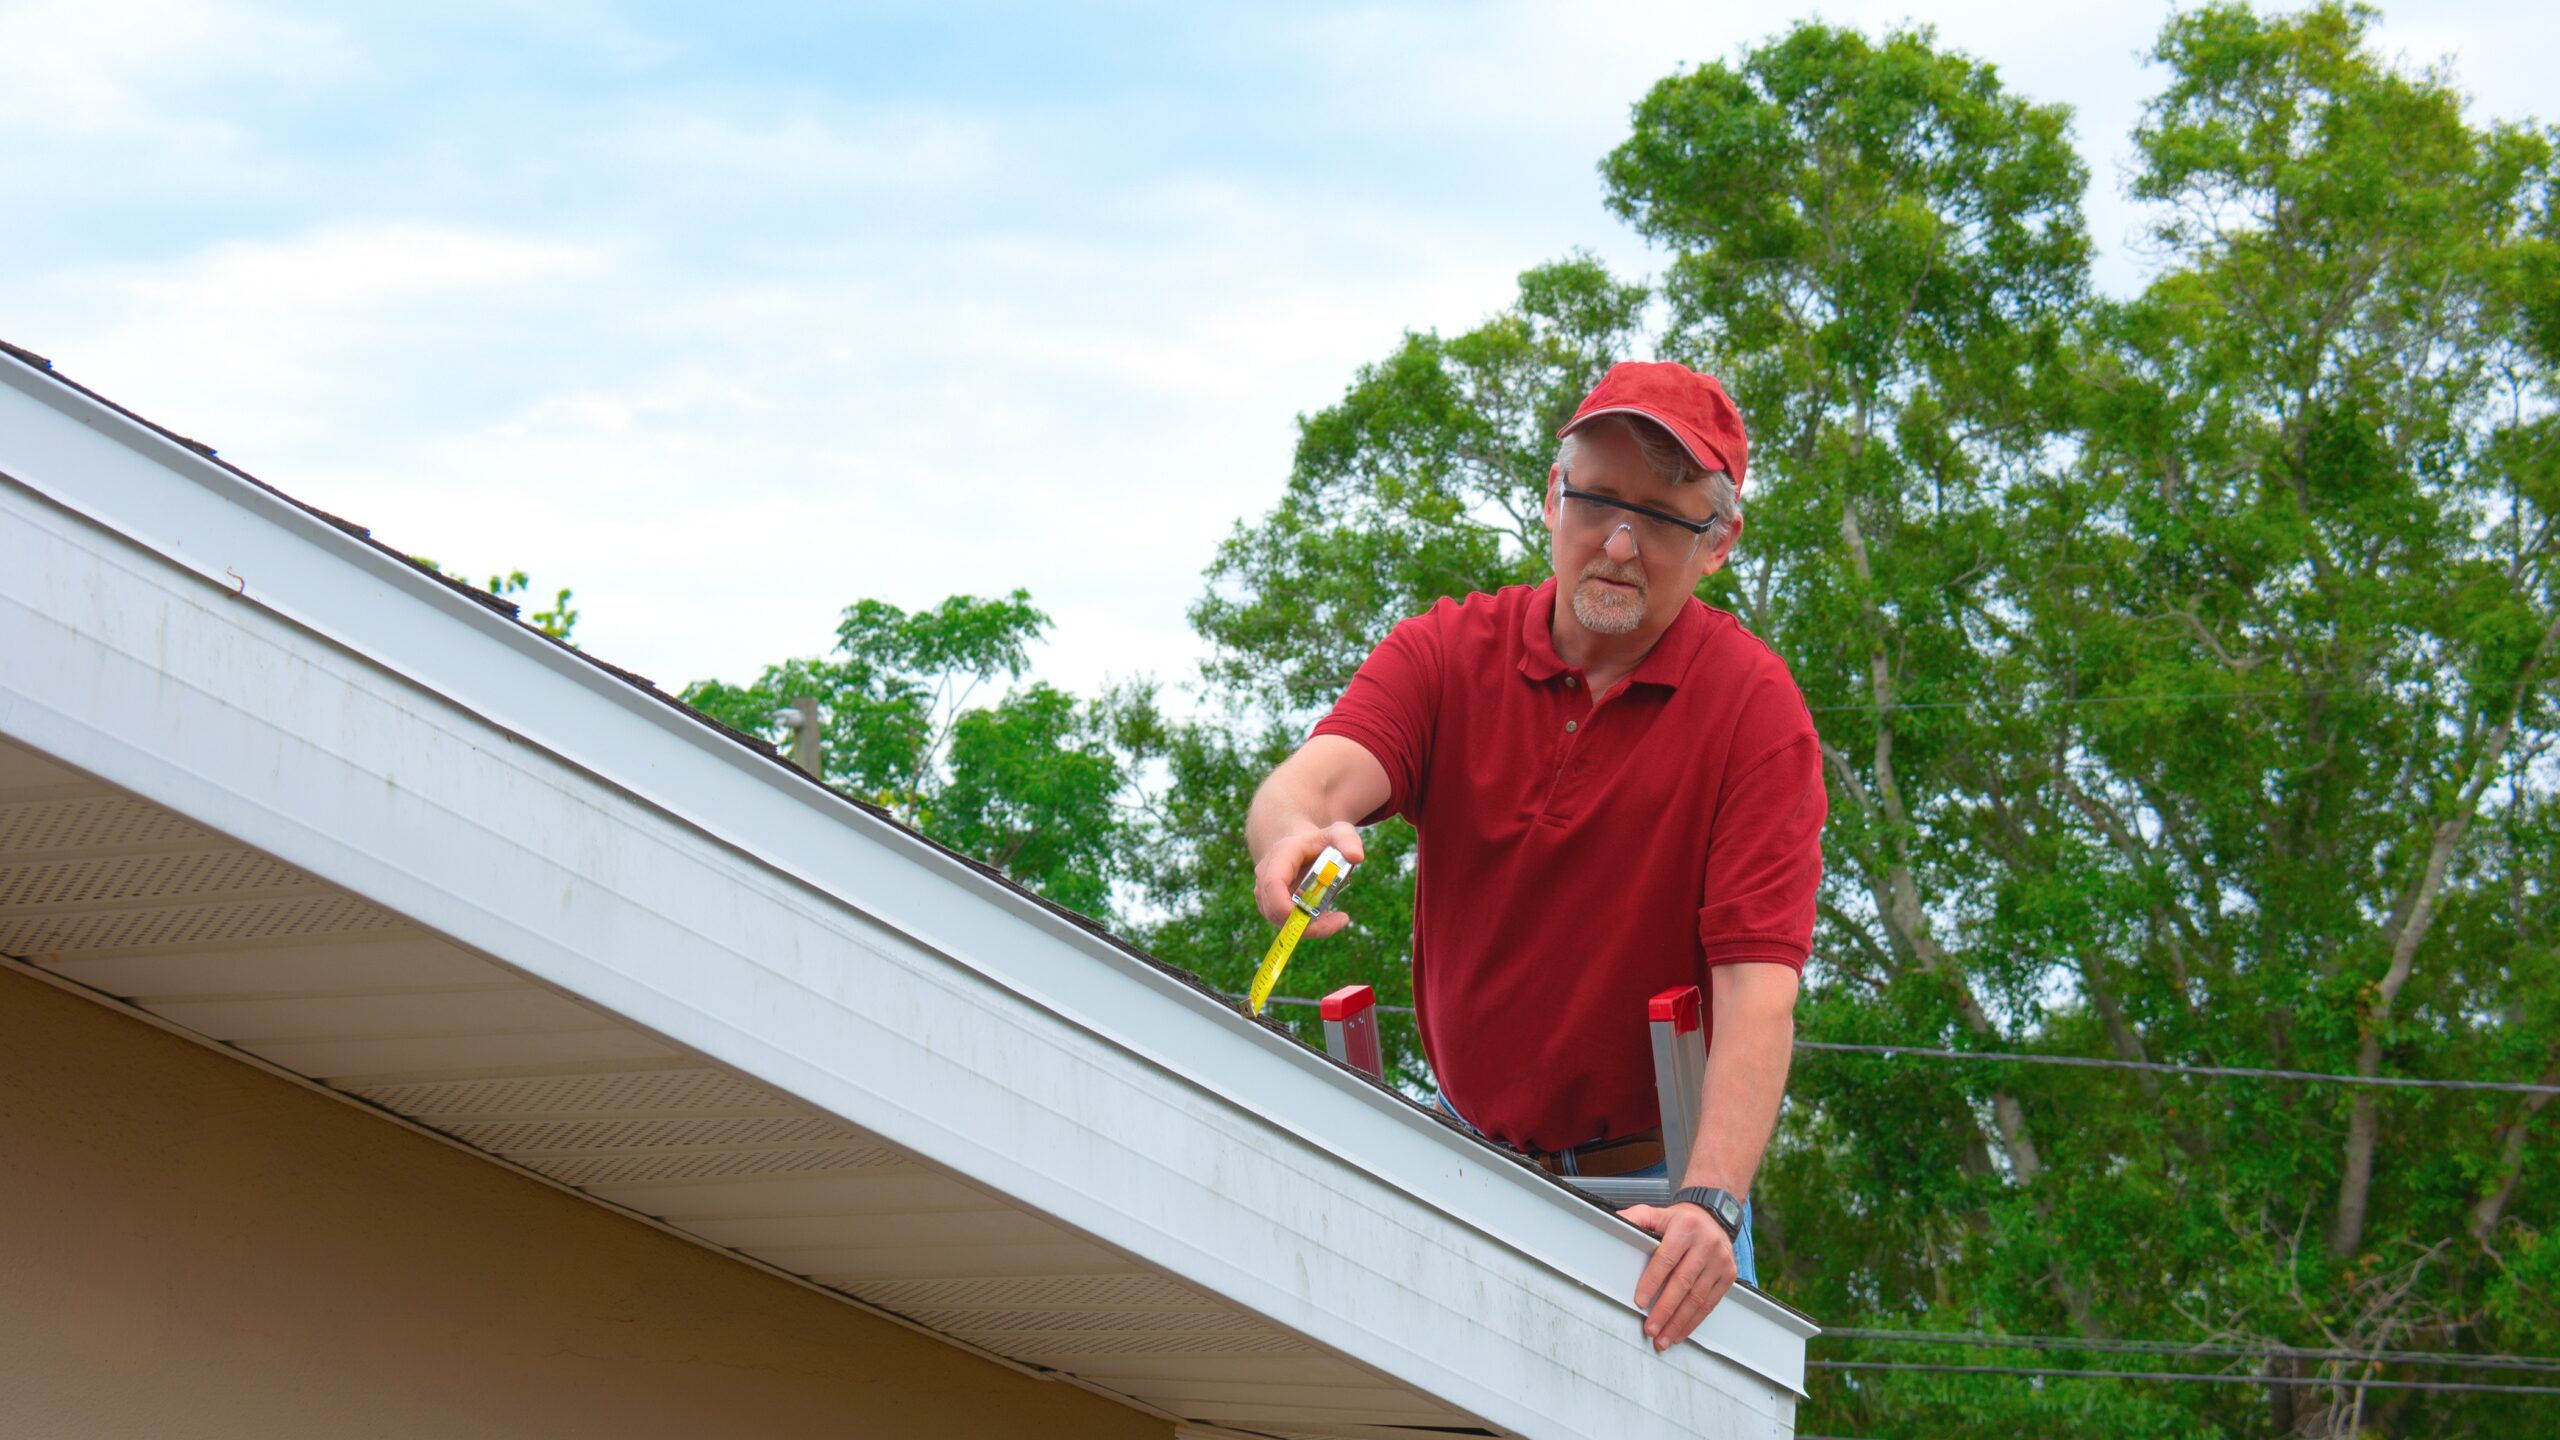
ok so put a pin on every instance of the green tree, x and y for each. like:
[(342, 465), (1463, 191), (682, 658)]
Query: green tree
[(1028, 782), (557, 622), (1031, 790), (2184, 667), (2315, 497)]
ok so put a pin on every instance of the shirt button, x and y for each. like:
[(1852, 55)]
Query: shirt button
[(1568, 682), (1568, 726)]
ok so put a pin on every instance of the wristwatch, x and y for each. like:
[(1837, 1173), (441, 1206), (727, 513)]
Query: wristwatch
[(1722, 1204)]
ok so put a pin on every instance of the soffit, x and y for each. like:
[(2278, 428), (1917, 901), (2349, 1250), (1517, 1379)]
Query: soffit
[(136, 905)]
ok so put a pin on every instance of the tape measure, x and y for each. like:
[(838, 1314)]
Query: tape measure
[(1315, 894)]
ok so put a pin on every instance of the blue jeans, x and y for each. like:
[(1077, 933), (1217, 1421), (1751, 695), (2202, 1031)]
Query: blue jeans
[(1744, 1268)]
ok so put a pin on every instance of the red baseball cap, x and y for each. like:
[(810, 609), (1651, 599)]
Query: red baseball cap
[(1693, 407)]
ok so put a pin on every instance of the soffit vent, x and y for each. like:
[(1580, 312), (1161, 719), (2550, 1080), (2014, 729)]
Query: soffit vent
[(90, 822), (719, 1164), (144, 877), (1053, 1350), (767, 1132), (1061, 1292), (1050, 1323), (631, 1093), (320, 914), (1111, 1333)]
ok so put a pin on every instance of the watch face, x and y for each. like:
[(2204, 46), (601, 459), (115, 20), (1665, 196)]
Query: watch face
[(1722, 1204)]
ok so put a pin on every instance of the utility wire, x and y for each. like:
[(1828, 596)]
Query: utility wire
[(2070, 700), (2190, 1376), (2456, 1359), (2200, 1350), (2093, 1062), (2242, 1072)]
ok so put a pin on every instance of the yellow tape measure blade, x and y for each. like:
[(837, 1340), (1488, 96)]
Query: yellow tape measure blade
[(1276, 959)]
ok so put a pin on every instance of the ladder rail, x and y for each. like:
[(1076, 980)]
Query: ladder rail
[(1677, 1020)]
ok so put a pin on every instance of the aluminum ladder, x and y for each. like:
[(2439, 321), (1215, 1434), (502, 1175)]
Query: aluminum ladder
[(1676, 1020)]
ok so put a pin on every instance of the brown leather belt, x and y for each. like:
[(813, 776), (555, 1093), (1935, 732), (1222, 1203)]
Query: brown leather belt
[(1622, 1156)]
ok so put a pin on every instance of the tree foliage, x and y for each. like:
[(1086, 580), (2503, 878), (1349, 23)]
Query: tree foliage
[(559, 622), (2183, 665), (1028, 782)]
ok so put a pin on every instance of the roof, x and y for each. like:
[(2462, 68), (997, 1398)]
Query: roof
[(530, 903)]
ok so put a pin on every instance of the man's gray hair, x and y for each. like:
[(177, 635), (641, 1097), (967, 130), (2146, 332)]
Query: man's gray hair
[(1671, 463)]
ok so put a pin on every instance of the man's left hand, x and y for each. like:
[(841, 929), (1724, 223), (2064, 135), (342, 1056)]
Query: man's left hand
[(1690, 1270)]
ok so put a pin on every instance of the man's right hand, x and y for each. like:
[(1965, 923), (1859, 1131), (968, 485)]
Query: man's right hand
[(1276, 874), (1305, 804)]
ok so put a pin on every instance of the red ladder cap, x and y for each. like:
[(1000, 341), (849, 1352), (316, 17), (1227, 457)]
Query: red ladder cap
[(1682, 1007), (1346, 1002)]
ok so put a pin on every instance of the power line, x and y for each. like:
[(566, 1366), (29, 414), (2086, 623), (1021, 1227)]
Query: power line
[(2193, 1377), (2093, 1062), (2199, 1350), (2071, 700), (2242, 1072)]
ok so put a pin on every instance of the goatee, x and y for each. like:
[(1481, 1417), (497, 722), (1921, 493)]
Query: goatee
[(1604, 610)]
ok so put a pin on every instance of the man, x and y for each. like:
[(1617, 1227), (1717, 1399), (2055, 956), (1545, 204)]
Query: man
[(1618, 791)]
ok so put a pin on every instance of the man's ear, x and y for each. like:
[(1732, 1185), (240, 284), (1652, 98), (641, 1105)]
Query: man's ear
[(1555, 481), (1720, 549)]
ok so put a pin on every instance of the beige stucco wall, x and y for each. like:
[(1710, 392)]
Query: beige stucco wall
[(190, 1247)]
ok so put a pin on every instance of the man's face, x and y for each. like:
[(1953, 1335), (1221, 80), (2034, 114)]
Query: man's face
[(1620, 582)]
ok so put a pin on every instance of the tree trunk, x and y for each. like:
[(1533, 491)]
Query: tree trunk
[(2493, 1206), (2416, 914), (1904, 914), (2355, 1191)]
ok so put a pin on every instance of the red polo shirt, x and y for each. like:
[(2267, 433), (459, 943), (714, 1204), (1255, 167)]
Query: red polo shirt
[(1578, 859)]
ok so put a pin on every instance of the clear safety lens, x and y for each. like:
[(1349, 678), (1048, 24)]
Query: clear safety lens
[(1594, 517)]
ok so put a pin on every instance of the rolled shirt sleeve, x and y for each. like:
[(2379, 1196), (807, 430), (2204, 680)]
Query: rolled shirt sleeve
[(1389, 708), (1764, 870)]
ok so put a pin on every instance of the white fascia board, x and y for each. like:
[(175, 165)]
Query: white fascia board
[(202, 642)]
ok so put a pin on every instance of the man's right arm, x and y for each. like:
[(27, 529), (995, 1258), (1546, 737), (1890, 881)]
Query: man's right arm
[(1313, 799)]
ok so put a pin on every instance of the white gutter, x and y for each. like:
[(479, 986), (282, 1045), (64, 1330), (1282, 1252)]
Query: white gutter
[(259, 582)]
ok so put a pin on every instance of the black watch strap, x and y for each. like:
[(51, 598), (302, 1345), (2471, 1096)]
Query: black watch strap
[(1724, 1205)]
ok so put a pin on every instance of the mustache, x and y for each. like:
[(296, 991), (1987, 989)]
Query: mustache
[(1602, 568)]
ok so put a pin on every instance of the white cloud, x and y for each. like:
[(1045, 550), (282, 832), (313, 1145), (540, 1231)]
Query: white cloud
[(140, 65), (1518, 67), (286, 339), (144, 92), (798, 153)]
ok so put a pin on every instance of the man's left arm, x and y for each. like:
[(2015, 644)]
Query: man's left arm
[(1753, 1005)]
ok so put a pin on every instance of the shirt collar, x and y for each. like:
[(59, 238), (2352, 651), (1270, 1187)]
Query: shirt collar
[(1538, 658), (1662, 665)]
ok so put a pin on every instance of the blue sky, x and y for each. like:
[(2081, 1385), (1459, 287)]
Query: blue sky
[(728, 316)]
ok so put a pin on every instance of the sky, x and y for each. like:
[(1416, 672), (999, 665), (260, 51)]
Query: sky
[(728, 316)]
